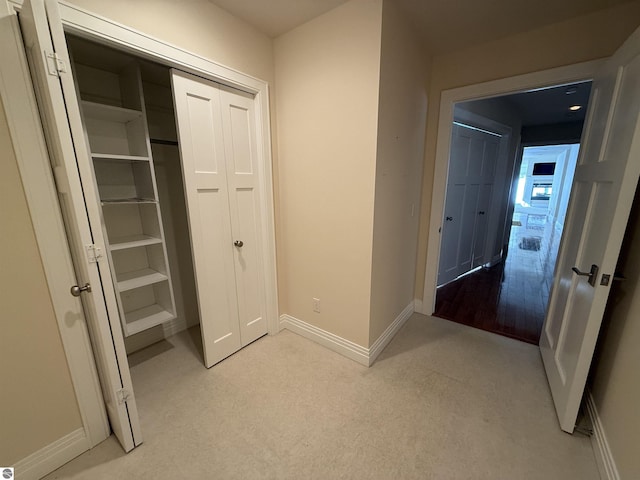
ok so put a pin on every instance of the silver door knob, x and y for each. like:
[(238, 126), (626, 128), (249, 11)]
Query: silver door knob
[(238, 243), (76, 290)]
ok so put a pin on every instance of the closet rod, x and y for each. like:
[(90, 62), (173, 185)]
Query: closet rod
[(163, 142)]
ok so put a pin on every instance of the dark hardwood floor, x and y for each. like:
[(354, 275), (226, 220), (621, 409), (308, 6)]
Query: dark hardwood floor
[(510, 298)]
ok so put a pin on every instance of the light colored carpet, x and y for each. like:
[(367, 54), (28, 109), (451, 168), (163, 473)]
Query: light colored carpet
[(443, 401)]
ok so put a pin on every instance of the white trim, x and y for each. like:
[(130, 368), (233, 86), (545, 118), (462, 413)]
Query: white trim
[(604, 458), (556, 76), (362, 355), (418, 305), (53, 456), (384, 339), (32, 157), (333, 342)]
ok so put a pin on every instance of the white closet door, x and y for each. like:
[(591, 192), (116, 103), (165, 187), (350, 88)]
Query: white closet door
[(200, 133), (43, 35), (238, 121)]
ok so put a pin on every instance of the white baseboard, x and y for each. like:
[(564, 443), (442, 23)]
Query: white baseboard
[(418, 306), (53, 456), (604, 458), (362, 355), (384, 339), (327, 339)]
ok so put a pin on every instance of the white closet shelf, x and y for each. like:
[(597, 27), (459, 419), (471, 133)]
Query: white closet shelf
[(124, 158), (139, 278), (109, 112), (147, 317), (133, 241), (121, 201)]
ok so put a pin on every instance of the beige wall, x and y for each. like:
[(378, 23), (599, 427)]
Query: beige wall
[(327, 79), (401, 123), (37, 403), (581, 39), (195, 25), (615, 382)]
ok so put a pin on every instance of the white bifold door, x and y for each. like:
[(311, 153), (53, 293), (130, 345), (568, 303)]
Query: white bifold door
[(59, 107), (605, 181), (217, 136)]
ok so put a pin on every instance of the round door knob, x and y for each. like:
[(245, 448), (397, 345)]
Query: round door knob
[(238, 243), (76, 290)]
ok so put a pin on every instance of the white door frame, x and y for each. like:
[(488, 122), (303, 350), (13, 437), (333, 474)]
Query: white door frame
[(33, 162), (531, 81)]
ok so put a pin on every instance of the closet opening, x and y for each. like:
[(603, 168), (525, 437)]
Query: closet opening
[(128, 114), (175, 175)]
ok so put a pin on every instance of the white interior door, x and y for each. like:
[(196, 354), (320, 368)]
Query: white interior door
[(604, 185), (239, 127), (43, 36), (200, 133), (218, 146), (472, 165)]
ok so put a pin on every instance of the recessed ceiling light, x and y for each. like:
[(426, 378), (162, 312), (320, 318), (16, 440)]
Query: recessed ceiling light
[(575, 108)]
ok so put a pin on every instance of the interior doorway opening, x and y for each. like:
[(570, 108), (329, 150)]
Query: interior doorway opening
[(530, 179)]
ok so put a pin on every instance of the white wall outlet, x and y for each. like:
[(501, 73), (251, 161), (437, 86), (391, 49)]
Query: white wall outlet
[(316, 305)]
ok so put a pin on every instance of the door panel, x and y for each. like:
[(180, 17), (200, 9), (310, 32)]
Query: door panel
[(238, 121), (481, 229), (448, 266), (43, 34), (467, 230), (200, 132), (604, 185)]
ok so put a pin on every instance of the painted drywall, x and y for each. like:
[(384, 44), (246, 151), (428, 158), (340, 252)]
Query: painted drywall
[(195, 25), (327, 81), (584, 38), (615, 382), (402, 115), (37, 404)]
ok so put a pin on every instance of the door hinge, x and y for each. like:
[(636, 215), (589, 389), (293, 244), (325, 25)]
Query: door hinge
[(94, 253), (55, 65), (123, 395)]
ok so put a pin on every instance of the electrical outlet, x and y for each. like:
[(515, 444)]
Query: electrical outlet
[(316, 305)]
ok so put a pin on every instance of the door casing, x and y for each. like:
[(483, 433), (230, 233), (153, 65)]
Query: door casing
[(579, 72)]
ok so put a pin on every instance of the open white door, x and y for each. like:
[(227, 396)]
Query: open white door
[(50, 69), (604, 185)]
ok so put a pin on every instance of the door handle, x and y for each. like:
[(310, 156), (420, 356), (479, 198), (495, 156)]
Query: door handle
[(449, 219), (592, 274), (238, 243), (76, 290)]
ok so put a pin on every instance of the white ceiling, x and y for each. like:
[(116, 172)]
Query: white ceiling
[(445, 25)]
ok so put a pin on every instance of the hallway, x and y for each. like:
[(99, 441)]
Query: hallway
[(511, 298)]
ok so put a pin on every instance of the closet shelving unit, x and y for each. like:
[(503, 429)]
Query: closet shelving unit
[(117, 134)]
